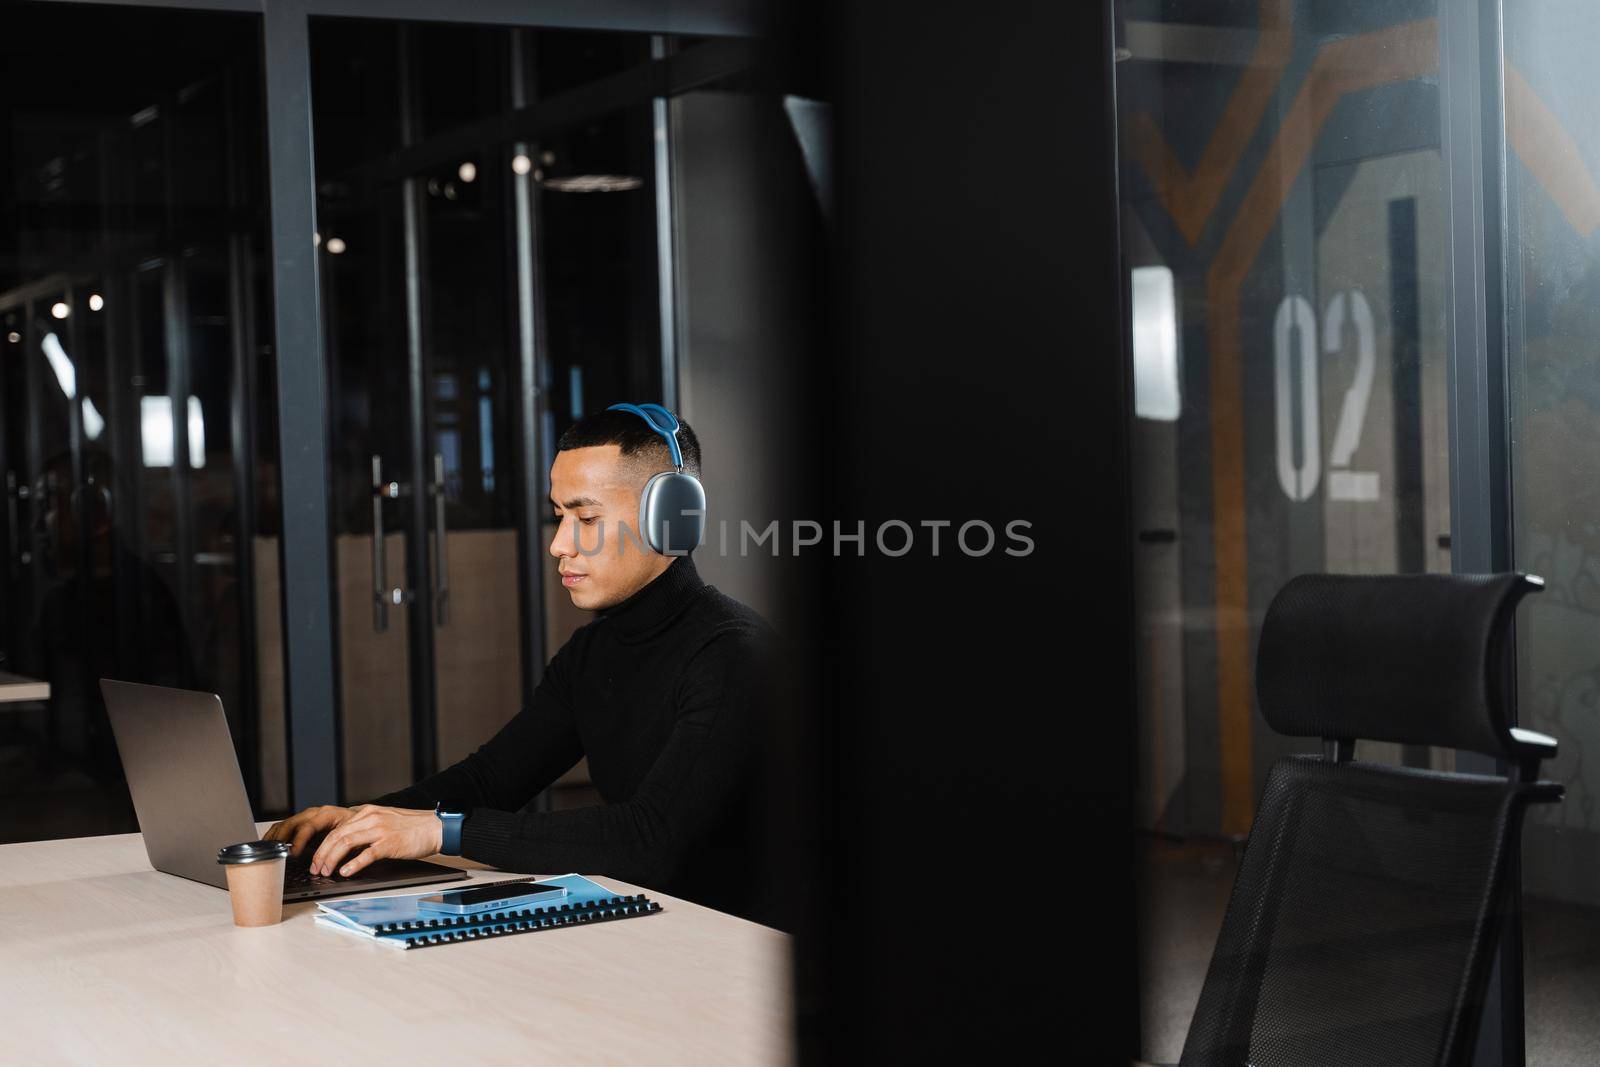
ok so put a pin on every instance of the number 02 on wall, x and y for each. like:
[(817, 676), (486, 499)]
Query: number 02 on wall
[(1296, 321)]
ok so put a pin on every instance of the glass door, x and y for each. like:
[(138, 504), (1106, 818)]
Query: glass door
[(471, 380), (1285, 222), (136, 427), (483, 288), (1552, 268), (377, 299), (373, 481)]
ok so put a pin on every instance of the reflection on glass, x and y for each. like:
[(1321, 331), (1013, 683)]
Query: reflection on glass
[(1284, 222), (156, 432), (94, 424), (132, 285), (1156, 394), (424, 274), (1553, 315), (66, 374)]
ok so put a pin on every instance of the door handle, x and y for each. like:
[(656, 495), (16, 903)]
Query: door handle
[(382, 593), (441, 558), (19, 556), (44, 526)]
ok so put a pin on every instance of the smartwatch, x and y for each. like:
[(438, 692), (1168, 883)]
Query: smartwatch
[(450, 839)]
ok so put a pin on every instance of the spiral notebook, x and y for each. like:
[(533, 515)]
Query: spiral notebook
[(397, 922)]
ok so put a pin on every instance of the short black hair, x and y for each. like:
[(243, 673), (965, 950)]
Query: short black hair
[(634, 437)]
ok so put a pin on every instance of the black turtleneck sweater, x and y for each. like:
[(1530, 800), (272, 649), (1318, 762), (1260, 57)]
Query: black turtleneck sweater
[(664, 693)]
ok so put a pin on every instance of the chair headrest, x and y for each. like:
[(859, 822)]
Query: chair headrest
[(1421, 659)]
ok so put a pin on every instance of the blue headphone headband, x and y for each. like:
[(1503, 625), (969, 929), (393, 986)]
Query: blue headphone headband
[(672, 505), (661, 421)]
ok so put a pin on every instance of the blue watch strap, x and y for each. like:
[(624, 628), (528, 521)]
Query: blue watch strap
[(450, 835)]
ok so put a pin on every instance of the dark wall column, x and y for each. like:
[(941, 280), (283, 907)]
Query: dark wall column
[(978, 733), (308, 609)]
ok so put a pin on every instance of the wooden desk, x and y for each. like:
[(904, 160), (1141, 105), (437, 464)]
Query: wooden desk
[(103, 960), (15, 689)]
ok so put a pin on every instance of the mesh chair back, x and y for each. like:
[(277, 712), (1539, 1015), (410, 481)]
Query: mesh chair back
[(1367, 906), (1362, 921)]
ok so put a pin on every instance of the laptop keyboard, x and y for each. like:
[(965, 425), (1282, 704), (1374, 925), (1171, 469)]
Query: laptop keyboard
[(297, 875)]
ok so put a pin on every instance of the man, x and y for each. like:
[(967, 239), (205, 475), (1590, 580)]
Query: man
[(662, 692)]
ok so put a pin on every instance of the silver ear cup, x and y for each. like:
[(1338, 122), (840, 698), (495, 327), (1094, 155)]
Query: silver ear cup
[(672, 513)]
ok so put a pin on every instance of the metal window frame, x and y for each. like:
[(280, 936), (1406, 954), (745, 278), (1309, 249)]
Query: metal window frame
[(1473, 107), (311, 680), (529, 491), (1472, 98), (666, 232)]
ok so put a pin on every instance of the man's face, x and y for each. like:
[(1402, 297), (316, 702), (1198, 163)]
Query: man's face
[(602, 554)]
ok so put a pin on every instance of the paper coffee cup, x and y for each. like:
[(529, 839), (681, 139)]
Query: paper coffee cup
[(255, 880)]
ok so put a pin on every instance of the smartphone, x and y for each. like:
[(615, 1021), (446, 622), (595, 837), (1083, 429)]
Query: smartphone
[(493, 898)]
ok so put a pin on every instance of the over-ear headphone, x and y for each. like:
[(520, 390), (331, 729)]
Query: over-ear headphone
[(672, 509)]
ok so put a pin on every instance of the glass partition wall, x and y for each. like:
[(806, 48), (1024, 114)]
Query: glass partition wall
[(1552, 297), (1317, 239), (137, 436), (460, 274), (494, 257), (1284, 226)]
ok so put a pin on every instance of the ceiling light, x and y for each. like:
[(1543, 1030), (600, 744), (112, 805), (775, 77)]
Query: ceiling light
[(59, 310), (468, 171), (336, 245), (96, 301), (521, 164), (593, 183)]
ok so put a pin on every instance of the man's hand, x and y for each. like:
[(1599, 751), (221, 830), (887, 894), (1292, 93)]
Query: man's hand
[(387, 833), (300, 828)]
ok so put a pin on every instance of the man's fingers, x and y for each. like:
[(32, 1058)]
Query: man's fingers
[(284, 829), (301, 838), (360, 860), (340, 842), (327, 852)]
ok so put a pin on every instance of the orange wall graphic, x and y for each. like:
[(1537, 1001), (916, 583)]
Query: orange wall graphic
[(1395, 54)]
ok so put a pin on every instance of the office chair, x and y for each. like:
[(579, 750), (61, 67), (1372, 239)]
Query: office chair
[(1364, 919)]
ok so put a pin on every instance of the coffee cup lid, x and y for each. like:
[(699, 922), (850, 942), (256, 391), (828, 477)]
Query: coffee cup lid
[(253, 852)]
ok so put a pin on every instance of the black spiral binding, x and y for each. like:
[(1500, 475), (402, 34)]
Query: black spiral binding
[(446, 929)]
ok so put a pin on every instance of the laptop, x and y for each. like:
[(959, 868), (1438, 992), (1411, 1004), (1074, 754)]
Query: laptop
[(189, 795)]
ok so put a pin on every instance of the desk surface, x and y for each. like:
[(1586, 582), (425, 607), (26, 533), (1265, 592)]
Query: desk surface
[(103, 960), (14, 688)]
